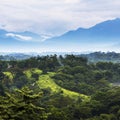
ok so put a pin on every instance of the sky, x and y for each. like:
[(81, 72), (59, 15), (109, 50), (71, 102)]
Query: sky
[(55, 17), (51, 18)]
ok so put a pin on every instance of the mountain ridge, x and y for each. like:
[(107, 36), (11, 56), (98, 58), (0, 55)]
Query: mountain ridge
[(100, 37), (109, 28)]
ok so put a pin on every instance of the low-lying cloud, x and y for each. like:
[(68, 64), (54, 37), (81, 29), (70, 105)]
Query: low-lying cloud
[(19, 37)]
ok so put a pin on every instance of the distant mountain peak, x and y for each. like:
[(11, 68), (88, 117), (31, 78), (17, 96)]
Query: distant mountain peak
[(117, 18), (104, 31)]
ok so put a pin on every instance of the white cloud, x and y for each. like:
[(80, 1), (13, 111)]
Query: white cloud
[(55, 16), (45, 37), (19, 37)]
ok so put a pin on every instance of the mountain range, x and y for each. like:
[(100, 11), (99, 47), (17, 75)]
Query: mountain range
[(108, 29), (105, 35)]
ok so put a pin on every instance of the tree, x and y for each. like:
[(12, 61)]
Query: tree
[(22, 105)]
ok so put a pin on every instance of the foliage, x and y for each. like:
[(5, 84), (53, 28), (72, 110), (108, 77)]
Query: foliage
[(21, 106), (59, 88)]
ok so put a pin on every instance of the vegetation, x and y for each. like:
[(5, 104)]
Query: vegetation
[(59, 88), (102, 56)]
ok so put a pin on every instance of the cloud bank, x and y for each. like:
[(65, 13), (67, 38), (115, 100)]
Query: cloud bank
[(55, 17)]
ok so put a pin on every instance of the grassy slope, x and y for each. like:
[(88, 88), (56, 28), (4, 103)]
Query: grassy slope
[(45, 81)]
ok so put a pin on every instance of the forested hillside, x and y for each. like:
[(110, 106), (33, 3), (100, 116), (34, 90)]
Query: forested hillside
[(59, 88), (102, 56)]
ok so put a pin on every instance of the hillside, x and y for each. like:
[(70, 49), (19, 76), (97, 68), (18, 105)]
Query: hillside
[(59, 88)]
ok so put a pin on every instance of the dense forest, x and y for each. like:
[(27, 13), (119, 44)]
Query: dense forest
[(59, 88)]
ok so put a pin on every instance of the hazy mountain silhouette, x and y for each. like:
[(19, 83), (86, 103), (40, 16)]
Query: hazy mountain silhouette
[(105, 31)]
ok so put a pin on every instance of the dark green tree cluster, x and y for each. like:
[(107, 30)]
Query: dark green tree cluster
[(21, 105)]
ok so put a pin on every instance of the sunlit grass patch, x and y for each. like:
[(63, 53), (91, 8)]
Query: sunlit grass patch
[(45, 81), (9, 75), (29, 73)]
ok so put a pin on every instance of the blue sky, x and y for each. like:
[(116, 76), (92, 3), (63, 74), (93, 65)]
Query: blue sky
[(54, 17)]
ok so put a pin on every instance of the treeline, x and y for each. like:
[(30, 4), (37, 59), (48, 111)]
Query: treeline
[(17, 56), (103, 57), (21, 98), (92, 57)]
